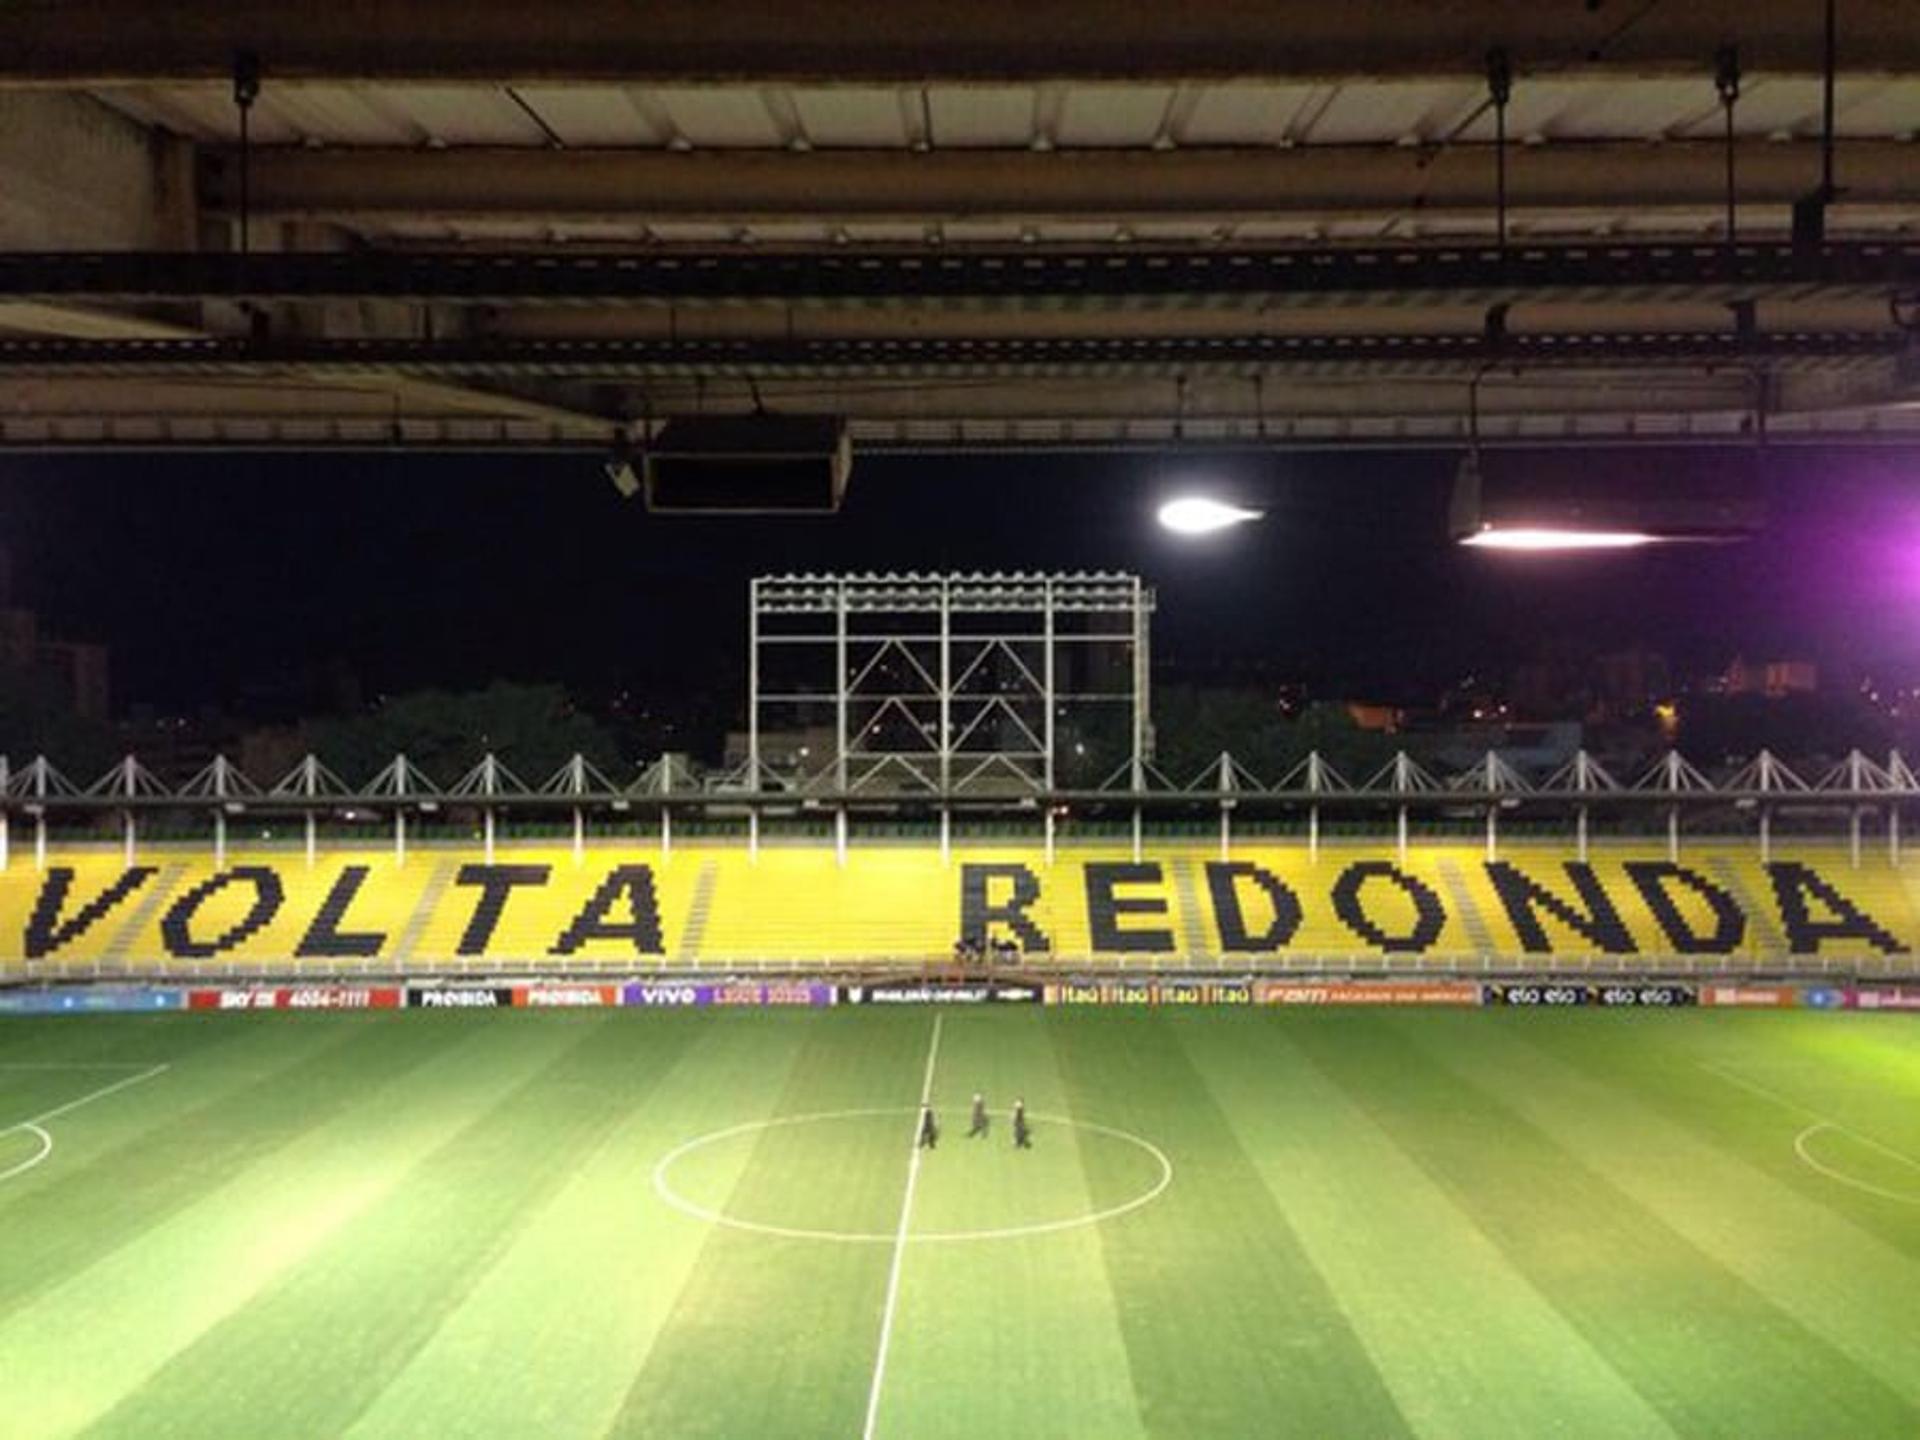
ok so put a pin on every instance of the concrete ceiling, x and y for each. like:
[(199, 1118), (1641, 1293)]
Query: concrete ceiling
[(1075, 131)]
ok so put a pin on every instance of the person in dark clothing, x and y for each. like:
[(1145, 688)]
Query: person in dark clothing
[(929, 1129), (1022, 1136), (979, 1125)]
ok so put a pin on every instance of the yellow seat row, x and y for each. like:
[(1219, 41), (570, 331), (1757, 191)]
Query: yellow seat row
[(718, 906)]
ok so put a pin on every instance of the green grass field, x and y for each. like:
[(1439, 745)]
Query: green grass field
[(1377, 1224)]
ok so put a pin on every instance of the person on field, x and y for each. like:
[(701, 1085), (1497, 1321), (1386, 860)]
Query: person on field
[(1022, 1136), (929, 1128), (979, 1125)]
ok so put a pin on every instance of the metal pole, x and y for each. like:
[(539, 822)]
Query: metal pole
[(1049, 831), (6, 840), (1493, 843), (1581, 832), (579, 835), (487, 826), (840, 686), (129, 837), (666, 834), (1673, 834), (1226, 807), (946, 719), (1766, 835), (1313, 834), (1853, 836), (840, 719), (219, 840), (753, 686), (1047, 680), (312, 839), (40, 842), (1893, 834), (1403, 834), (753, 836), (400, 837), (1142, 680)]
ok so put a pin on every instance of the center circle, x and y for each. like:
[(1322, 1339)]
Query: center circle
[(664, 1188)]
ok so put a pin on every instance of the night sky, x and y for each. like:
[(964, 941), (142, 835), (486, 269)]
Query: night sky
[(210, 575)]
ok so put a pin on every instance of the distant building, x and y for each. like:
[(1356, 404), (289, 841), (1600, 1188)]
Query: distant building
[(1772, 678), (1536, 751), (77, 670), (1380, 718)]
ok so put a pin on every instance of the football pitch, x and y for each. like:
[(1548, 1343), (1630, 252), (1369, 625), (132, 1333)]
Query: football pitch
[(1231, 1223)]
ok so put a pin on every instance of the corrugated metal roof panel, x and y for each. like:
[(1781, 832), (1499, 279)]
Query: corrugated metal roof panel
[(856, 116), (1247, 114), (465, 114), (1385, 112), (1112, 115), (731, 118), (977, 115), (591, 115)]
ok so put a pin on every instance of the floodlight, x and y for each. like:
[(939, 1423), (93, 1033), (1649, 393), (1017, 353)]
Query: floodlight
[(1544, 538), (1202, 515)]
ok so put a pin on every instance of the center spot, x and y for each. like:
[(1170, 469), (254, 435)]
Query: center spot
[(838, 1176)]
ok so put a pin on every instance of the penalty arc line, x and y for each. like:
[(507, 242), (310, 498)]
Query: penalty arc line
[(1822, 1122), (900, 1241), (33, 1126)]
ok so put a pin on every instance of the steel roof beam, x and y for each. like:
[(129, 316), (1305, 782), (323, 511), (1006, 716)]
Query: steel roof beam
[(906, 41), (1197, 186), (1395, 274), (612, 359)]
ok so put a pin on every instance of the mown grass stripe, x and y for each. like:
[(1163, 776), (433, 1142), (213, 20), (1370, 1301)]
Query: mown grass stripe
[(83, 1344), (582, 1294), (1227, 1323), (175, 1147), (1465, 1344), (421, 1248), (772, 1336), (1006, 1337), (1711, 1354)]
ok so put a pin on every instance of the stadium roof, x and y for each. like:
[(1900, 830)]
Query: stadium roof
[(1081, 223)]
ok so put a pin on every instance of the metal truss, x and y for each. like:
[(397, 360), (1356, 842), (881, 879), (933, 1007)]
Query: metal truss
[(1400, 353), (880, 780), (942, 688), (1484, 272)]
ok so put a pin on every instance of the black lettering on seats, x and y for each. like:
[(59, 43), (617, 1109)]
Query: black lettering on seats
[(1223, 877), (979, 913), (46, 932), (594, 921), (1524, 896), (1794, 884), (496, 883), (1430, 916), (325, 937), (1105, 907), (1656, 879), (176, 926)]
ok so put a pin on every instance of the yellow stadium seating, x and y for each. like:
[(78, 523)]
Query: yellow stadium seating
[(1273, 906)]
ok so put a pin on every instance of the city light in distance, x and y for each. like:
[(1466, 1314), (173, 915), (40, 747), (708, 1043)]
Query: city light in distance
[(1543, 538), (1201, 515)]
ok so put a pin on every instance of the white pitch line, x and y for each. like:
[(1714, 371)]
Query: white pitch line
[(91, 1096), (1822, 1122), (900, 1241)]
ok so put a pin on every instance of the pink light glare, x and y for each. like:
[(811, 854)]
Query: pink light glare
[(1543, 539)]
